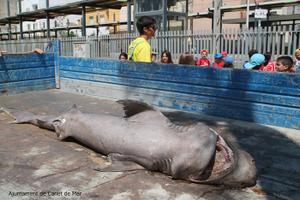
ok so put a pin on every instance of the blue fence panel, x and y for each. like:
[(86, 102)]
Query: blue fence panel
[(261, 97), (26, 72)]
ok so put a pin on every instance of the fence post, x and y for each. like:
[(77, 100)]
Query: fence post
[(217, 21), (57, 54)]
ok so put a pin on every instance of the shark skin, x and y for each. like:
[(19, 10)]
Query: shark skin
[(145, 139)]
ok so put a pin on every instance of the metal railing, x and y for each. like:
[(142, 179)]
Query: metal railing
[(25, 45), (278, 41)]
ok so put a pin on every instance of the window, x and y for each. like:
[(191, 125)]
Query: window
[(91, 18), (101, 19)]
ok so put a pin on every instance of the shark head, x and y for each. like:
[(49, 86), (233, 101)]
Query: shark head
[(61, 123)]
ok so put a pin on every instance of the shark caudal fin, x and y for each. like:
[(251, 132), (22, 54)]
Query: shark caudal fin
[(19, 116)]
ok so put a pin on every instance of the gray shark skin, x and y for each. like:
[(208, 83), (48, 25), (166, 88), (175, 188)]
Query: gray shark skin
[(145, 138)]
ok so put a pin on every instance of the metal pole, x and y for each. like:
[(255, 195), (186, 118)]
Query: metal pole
[(21, 20), (135, 2), (247, 17), (48, 20), (83, 29), (129, 16), (164, 14), (8, 9), (9, 30), (9, 23), (217, 25), (257, 25), (186, 12), (21, 28)]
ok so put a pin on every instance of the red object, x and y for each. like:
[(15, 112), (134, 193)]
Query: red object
[(224, 54), (204, 50), (218, 65), (203, 62), (270, 67)]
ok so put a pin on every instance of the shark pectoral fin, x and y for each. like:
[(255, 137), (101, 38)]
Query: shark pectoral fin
[(121, 163), (120, 166)]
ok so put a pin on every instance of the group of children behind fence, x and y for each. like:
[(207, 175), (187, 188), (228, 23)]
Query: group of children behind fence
[(257, 61), (263, 62), (139, 50)]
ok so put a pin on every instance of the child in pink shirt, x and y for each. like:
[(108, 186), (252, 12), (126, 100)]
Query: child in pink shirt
[(219, 61), (203, 61), (268, 65)]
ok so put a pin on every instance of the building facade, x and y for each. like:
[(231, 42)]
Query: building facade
[(106, 16), (237, 19)]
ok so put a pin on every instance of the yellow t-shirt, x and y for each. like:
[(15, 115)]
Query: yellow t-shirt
[(139, 50)]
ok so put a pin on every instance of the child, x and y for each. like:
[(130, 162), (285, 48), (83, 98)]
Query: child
[(186, 59), (123, 56), (256, 62), (284, 64), (219, 61), (139, 49), (166, 57), (228, 62), (224, 54), (269, 65), (250, 54), (203, 61)]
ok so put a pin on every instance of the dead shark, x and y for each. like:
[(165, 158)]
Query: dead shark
[(146, 139)]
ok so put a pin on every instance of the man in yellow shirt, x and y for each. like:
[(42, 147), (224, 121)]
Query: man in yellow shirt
[(139, 49)]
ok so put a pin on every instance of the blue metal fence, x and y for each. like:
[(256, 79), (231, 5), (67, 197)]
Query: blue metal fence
[(25, 72), (266, 98)]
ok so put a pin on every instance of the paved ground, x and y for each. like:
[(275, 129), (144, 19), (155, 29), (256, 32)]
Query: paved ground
[(35, 165)]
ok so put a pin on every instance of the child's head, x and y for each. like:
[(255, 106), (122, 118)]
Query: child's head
[(218, 58), (166, 57), (284, 64), (123, 56), (146, 26), (255, 62), (252, 52), (204, 53), (228, 62), (224, 54), (297, 54), (187, 59)]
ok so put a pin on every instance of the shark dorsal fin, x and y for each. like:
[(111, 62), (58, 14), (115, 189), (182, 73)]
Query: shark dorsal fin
[(132, 107), (140, 111)]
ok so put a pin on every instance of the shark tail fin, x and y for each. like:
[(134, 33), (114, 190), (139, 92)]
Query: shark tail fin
[(19, 116)]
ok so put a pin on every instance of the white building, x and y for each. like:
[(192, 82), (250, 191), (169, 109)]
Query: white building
[(62, 21)]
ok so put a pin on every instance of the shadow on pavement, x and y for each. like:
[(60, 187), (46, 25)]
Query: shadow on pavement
[(276, 154)]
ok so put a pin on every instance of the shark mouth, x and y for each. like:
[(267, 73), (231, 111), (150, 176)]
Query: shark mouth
[(221, 164)]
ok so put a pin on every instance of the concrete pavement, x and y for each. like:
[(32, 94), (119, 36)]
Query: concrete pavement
[(36, 165)]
